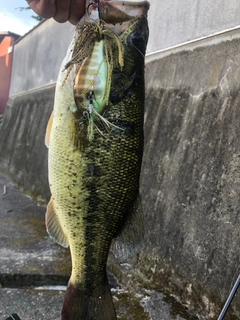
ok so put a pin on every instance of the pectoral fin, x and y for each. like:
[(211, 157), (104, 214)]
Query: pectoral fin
[(130, 239), (53, 225), (48, 130), (78, 130)]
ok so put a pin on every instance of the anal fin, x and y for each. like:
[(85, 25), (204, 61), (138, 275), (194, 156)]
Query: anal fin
[(53, 225), (129, 240)]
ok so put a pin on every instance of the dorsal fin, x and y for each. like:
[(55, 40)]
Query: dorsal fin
[(53, 225)]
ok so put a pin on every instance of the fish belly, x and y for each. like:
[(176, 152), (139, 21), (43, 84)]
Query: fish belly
[(95, 154)]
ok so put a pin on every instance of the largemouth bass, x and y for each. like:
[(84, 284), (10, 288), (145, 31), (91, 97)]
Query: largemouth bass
[(95, 140)]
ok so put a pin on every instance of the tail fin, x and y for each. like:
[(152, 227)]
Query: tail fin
[(79, 305)]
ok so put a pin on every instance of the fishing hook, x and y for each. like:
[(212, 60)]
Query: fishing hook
[(95, 2)]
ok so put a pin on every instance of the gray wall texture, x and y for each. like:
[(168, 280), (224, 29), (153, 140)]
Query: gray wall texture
[(38, 56), (23, 155), (191, 174), (174, 22), (191, 168), (171, 23)]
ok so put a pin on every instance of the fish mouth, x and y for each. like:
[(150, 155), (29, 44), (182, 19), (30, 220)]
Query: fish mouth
[(118, 11)]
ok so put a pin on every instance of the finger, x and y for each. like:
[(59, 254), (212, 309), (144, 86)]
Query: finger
[(44, 8), (62, 10), (77, 10)]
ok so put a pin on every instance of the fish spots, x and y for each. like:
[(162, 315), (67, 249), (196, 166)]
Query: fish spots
[(97, 179), (93, 170), (125, 128), (121, 86)]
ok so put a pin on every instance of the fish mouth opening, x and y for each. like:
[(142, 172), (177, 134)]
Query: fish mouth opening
[(116, 12)]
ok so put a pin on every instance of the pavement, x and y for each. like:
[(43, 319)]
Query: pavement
[(29, 259), (34, 271)]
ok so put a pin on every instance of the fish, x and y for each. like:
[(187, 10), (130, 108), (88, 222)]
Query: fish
[(95, 146)]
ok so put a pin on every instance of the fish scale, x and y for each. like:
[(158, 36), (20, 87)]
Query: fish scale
[(95, 188)]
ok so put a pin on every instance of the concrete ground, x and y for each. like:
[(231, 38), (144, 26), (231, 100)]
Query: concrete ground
[(28, 259), (34, 270)]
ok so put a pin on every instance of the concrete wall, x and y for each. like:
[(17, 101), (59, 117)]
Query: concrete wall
[(171, 23), (23, 155), (38, 56), (191, 173), (174, 22)]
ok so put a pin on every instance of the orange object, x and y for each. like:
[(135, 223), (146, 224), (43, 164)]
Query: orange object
[(7, 40)]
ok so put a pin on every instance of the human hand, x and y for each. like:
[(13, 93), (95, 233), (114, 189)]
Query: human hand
[(60, 10)]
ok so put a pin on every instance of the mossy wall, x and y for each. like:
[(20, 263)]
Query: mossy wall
[(191, 175)]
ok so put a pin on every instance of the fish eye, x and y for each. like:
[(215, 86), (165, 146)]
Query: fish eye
[(136, 38), (138, 41)]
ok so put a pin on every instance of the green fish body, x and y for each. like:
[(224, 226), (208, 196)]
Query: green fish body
[(95, 145)]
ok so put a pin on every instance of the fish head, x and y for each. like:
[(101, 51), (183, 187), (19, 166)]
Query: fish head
[(135, 39), (137, 34), (116, 14), (129, 80)]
